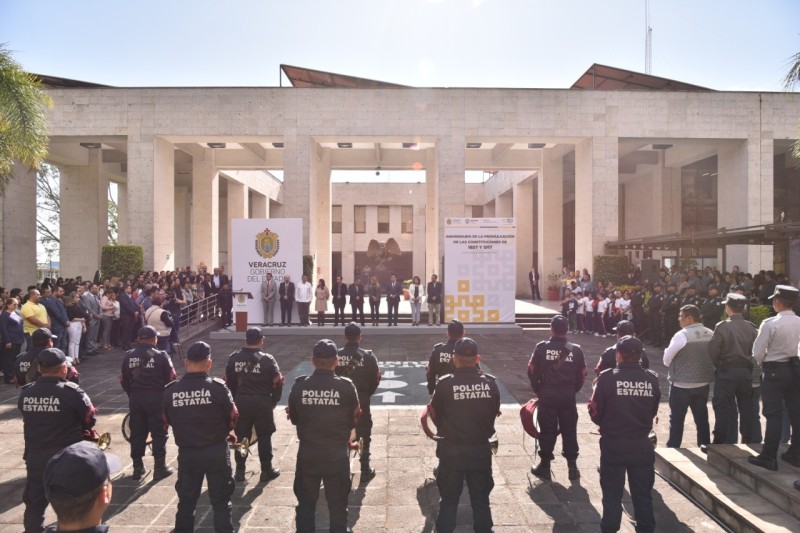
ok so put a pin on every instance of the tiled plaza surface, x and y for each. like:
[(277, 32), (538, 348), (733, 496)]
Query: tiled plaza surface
[(403, 496)]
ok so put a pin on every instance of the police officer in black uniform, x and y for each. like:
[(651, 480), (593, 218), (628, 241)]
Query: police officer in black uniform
[(55, 414), (202, 413), (712, 308), (670, 309), (26, 370), (731, 349), (654, 315), (692, 298), (609, 358), (464, 407), (361, 366), (256, 383), (637, 308), (146, 370), (441, 360), (324, 407), (623, 404), (557, 370)]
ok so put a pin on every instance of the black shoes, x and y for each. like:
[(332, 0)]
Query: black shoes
[(791, 458), (704, 448), (138, 470), (763, 462), (574, 474), (269, 474), (367, 474), (542, 471)]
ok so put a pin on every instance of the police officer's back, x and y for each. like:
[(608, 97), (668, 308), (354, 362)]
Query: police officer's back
[(324, 407), (202, 413), (557, 370), (145, 372), (608, 359), (256, 383), (623, 404), (55, 414), (712, 308), (361, 367), (655, 323), (464, 407), (441, 359), (25, 366)]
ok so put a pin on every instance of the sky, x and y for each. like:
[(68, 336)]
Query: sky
[(719, 44)]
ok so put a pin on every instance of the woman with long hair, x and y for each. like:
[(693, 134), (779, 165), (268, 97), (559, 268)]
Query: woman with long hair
[(77, 326), (416, 292), (374, 293), (12, 337), (322, 295)]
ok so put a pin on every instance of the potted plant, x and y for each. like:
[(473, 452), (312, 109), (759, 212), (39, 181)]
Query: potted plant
[(553, 286)]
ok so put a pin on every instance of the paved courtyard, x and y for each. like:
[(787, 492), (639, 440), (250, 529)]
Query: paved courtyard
[(403, 496)]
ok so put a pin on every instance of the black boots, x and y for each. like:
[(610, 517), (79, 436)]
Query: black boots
[(138, 469), (573, 472), (542, 471), (161, 470), (239, 475), (269, 473)]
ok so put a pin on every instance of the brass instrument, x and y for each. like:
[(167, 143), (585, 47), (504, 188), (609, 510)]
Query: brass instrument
[(104, 442), (494, 443), (355, 445), (242, 449)]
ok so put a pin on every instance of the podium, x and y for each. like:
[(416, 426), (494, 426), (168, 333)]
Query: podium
[(240, 298)]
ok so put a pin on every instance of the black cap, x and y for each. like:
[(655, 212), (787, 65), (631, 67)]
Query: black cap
[(629, 345), (41, 336), (735, 301), (147, 332), (51, 358), (253, 335), (559, 324), (785, 292), (352, 331), (466, 347), (325, 349), (78, 470), (625, 327), (455, 328), (198, 351)]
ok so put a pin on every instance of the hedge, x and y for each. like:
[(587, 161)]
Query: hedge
[(121, 260), (610, 268), (308, 268)]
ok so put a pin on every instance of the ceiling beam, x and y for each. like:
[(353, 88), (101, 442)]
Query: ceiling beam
[(378, 153), (256, 149), (500, 149)]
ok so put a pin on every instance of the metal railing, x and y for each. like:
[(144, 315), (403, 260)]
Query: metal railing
[(198, 316)]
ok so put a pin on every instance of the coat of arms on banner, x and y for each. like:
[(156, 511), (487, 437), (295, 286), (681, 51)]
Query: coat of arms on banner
[(267, 244)]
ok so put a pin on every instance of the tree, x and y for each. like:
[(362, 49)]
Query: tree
[(23, 118), (48, 209), (791, 82)]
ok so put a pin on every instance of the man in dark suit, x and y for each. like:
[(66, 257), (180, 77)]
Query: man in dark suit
[(128, 314), (339, 294), (286, 293), (434, 291), (393, 291), (357, 301), (533, 277), (218, 280)]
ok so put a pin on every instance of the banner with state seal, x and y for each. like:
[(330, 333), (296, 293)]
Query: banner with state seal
[(262, 245), (480, 269)]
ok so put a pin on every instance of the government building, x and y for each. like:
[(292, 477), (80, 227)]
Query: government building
[(619, 163)]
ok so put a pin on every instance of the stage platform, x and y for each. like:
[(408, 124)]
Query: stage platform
[(230, 333)]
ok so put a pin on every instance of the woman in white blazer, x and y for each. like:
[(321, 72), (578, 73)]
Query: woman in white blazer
[(416, 292)]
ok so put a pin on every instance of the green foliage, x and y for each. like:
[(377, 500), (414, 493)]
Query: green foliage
[(758, 313), (610, 268), (23, 118), (308, 267), (121, 260)]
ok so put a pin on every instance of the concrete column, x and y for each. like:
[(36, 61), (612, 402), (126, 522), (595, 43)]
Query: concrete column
[(238, 207), (432, 214), (419, 243), (297, 174), (122, 213), (18, 229), (523, 215), (205, 210), (260, 206), (549, 224), (319, 219), (151, 199), (446, 191), (745, 171), (348, 240), (84, 216), (224, 248), (596, 195), (504, 205), (183, 238)]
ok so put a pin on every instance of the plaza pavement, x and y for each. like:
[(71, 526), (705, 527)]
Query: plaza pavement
[(403, 496)]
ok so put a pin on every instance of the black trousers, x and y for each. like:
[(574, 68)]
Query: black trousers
[(322, 465), (338, 313), (733, 389), (33, 496), (535, 295), (780, 387), (214, 464), (147, 416), (286, 311), (7, 358), (655, 328), (394, 305), (256, 412), (128, 322), (634, 457), (364, 430), (558, 416), (374, 311), (358, 312), (458, 462), (227, 316)]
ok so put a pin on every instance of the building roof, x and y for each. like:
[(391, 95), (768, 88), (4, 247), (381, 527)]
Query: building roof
[(764, 234), (605, 78), (55, 81), (310, 78)]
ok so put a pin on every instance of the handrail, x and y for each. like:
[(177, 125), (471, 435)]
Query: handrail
[(196, 316)]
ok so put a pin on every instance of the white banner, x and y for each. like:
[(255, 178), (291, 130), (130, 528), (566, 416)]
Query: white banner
[(262, 245), (480, 258)]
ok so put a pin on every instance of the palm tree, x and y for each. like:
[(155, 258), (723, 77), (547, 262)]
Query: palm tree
[(792, 78), (23, 118)]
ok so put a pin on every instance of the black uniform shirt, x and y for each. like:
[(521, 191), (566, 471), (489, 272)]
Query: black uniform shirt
[(625, 401), (324, 407), (609, 360), (669, 306), (731, 346), (637, 300), (557, 368), (200, 410), (26, 368), (440, 363), (145, 370), (654, 303), (695, 300), (55, 413), (361, 366), (712, 311), (251, 372), (464, 406)]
